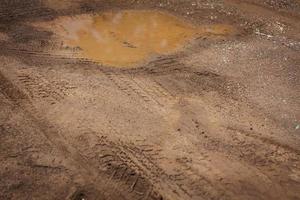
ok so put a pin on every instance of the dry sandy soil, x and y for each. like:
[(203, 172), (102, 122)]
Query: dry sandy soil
[(217, 119)]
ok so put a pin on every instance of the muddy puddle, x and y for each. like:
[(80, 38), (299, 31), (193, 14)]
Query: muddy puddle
[(130, 37)]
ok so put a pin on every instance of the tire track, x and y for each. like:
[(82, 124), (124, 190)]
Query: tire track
[(134, 165), (113, 158), (150, 169), (160, 66), (247, 147), (126, 84), (127, 156), (90, 173), (39, 88)]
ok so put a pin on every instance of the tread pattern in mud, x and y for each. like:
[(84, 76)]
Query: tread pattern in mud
[(135, 168), (128, 163), (248, 146), (43, 54), (115, 160), (132, 82), (118, 164), (132, 88), (39, 88), (160, 66)]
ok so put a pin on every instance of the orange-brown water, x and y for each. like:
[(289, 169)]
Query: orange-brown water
[(130, 37)]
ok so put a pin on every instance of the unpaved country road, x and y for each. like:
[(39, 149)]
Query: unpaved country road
[(218, 118)]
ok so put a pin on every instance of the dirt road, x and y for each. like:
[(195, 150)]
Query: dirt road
[(217, 118)]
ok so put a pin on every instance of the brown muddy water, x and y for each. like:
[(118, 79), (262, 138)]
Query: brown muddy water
[(130, 37)]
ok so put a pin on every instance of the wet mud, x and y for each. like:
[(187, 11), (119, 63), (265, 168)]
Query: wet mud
[(152, 100), (131, 37)]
